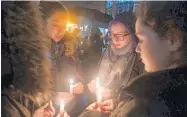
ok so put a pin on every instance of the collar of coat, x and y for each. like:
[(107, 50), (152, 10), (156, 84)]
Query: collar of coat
[(149, 83)]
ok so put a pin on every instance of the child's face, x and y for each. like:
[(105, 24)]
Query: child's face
[(56, 25)]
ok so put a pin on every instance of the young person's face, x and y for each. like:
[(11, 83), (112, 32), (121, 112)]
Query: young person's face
[(56, 25), (119, 35), (154, 51)]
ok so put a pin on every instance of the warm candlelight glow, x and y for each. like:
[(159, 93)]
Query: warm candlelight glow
[(71, 81), (97, 83), (98, 89), (99, 96), (71, 85), (62, 105)]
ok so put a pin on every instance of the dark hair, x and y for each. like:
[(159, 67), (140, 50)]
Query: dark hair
[(49, 7), (128, 20), (166, 17), (162, 16)]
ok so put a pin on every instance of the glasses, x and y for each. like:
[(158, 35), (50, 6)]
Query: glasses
[(117, 37)]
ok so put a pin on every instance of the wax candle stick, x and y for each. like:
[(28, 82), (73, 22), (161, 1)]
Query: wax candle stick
[(99, 91), (99, 96), (71, 85), (62, 105)]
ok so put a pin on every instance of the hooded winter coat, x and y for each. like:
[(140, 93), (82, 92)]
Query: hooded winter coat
[(31, 87), (158, 94)]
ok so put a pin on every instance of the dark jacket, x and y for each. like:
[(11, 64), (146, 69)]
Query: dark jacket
[(158, 94), (64, 67), (23, 32)]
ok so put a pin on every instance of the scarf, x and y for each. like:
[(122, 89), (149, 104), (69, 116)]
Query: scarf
[(114, 63)]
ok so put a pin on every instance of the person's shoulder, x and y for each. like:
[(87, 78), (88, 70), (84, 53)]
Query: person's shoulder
[(8, 108), (69, 36), (131, 108), (11, 106), (155, 81)]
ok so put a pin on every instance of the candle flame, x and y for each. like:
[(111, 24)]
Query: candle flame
[(71, 85), (71, 81)]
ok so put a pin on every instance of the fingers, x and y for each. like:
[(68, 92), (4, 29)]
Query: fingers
[(50, 103), (62, 114), (47, 114), (49, 110), (51, 107), (92, 106), (106, 103), (107, 112), (66, 115), (106, 108)]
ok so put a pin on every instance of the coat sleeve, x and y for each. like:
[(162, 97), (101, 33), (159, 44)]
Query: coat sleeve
[(131, 108), (8, 110)]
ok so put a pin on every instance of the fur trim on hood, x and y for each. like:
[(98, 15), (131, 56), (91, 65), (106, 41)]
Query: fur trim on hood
[(28, 45)]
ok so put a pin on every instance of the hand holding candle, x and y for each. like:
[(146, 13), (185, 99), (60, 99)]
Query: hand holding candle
[(62, 112)]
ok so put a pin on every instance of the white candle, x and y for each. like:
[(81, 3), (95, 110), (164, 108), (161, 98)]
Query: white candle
[(62, 105), (99, 96), (99, 91), (71, 85), (97, 83)]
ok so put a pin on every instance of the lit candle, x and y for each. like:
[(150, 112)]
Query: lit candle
[(99, 96), (62, 105), (97, 83), (71, 85), (99, 91)]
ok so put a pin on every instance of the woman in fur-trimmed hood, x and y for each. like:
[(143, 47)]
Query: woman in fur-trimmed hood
[(31, 87)]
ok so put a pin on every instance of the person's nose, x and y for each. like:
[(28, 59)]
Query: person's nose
[(138, 48)]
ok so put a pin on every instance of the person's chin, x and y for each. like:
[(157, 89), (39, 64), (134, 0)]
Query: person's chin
[(118, 46), (57, 39)]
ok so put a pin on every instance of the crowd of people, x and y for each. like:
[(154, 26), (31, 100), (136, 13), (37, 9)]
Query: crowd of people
[(142, 71)]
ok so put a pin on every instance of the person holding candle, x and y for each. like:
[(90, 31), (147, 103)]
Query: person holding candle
[(65, 63), (63, 45), (120, 63), (161, 28)]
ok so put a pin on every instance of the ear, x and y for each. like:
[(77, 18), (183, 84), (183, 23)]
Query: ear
[(174, 38)]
